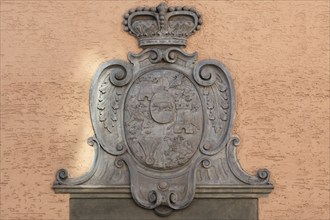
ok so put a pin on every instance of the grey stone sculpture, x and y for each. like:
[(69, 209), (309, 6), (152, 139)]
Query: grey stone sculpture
[(163, 121)]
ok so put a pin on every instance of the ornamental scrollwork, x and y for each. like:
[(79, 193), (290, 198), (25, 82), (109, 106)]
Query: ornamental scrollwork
[(163, 121)]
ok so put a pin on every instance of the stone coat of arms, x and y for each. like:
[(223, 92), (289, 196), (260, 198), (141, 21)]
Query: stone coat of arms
[(163, 120)]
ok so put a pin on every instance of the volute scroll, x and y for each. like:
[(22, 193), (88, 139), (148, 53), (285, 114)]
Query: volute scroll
[(218, 91), (106, 99)]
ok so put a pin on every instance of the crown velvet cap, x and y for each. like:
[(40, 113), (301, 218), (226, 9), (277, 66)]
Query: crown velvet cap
[(162, 25)]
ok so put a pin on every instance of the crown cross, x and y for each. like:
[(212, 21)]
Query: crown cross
[(162, 25)]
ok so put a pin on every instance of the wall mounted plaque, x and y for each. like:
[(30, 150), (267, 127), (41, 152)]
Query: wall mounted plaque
[(163, 121)]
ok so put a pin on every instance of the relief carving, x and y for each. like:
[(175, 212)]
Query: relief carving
[(163, 122), (162, 119)]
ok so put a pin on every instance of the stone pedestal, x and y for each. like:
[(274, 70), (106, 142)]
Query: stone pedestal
[(126, 209), (210, 202)]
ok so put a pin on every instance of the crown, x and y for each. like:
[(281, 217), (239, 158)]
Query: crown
[(162, 25)]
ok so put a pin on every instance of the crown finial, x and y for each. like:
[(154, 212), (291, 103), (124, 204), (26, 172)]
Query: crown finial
[(162, 25), (162, 8)]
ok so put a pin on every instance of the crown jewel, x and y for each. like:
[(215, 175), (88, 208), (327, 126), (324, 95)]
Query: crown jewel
[(162, 25)]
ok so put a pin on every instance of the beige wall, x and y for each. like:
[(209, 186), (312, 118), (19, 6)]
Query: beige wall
[(277, 51)]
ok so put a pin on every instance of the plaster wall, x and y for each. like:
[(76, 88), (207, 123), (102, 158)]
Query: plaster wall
[(277, 52)]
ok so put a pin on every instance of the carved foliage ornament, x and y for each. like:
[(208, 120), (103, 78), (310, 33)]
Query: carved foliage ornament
[(163, 121)]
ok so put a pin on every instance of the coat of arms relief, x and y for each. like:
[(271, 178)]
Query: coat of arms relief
[(163, 120)]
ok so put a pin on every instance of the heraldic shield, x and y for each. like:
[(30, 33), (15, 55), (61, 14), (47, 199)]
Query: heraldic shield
[(163, 120)]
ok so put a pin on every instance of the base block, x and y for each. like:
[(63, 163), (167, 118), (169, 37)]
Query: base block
[(199, 209)]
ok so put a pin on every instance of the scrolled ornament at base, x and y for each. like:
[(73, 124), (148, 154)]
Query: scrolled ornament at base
[(152, 197), (62, 175), (263, 175)]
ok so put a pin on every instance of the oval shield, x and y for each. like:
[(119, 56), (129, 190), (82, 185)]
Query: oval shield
[(163, 119)]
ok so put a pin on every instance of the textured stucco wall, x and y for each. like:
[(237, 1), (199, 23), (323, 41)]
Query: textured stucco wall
[(277, 51)]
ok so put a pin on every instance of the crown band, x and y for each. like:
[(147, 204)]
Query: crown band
[(163, 41)]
